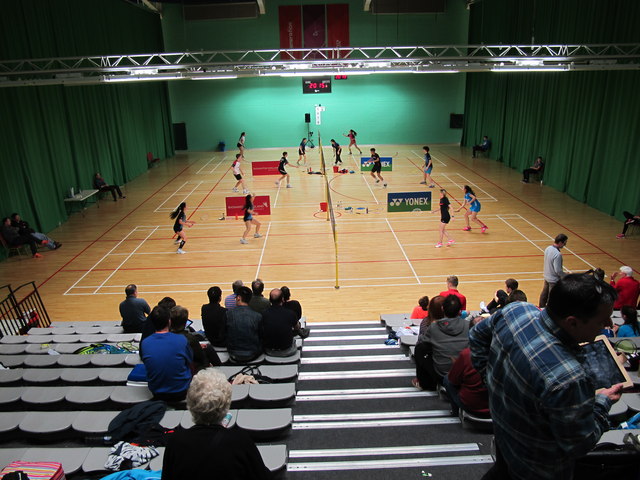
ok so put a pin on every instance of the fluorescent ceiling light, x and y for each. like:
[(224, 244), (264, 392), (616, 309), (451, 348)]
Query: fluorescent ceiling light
[(142, 79), (212, 77), (530, 69), (436, 71)]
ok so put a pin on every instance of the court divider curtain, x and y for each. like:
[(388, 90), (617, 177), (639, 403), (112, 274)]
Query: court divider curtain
[(584, 124), (54, 137)]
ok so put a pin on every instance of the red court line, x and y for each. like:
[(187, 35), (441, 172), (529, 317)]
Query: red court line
[(537, 210), (112, 227)]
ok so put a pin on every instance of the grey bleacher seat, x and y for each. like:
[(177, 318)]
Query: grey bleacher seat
[(39, 361), (220, 349), (57, 338), (93, 423), (110, 330), (89, 397), (396, 319), (108, 360), (273, 456), (13, 361), (127, 395), (41, 375), (71, 458), (47, 424), (469, 420), (95, 459), (39, 339), (132, 359), (299, 343), (223, 356), (632, 400), (12, 349), (239, 393), (295, 358), (62, 330), (93, 338), (123, 337), (43, 397), (278, 373), (9, 422), (13, 339), (8, 455), (73, 360), (263, 423), (229, 360), (615, 437), (38, 349), (10, 376), (408, 340), (71, 325), (618, 408), (80, 375), (156, 463), (172, 418), (88, 330), (41, 331), (68, 348), (114, 375), (274, 394)]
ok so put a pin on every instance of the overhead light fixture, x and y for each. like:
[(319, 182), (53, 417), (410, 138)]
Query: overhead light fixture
[(555, 68), (141, 78), (212, 77)]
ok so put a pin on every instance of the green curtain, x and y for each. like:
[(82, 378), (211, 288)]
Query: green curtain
[(55, 137), (584, 124)]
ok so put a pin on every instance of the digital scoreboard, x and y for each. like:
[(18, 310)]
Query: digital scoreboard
[(316, 85)]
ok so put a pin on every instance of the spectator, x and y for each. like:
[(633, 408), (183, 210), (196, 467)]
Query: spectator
[(630, 327), (214, 318), (465, 388), (517, 296), (258, 302), (538, 165), (597, 273), (500, 297), (279, 325), (208, 450), (544, 408), (483, 147), (552, 267), (230, 300), (627, 287), (452, 289), (133, 311), (630, 219), (25, 230), (99, 183), (202, 358), (420, 311), (14, 239), (244, 329), (296, 308), (434, 312), (443, 340), (147, 327), (167, 359)]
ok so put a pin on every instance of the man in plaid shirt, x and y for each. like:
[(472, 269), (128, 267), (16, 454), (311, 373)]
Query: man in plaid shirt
[(545, 410)]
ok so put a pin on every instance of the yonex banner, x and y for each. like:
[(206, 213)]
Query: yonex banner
[(387, 164), (408, 201)]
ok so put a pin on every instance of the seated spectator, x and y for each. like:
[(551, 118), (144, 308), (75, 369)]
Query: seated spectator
[(296, 308), (207, 450), (133, 311), (167, 359), (279, 324), (538, 165), (483, 147), (258, 302), (214, 318), (630, 327), (465, 387), (500, 297), (244, 329), (443, 341), (202, 357), (452, 289), (434, 311), (516, 296), (627, 287), (14, 239), (631, 219), (421, 350), (99, 183), (24, 230), (597, 273), (420, 310), (147, 327), (230, 300)]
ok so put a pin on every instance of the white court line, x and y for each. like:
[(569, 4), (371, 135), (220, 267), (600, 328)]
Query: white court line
[(549, 237), (124, 261), (206, 164), (170, 196), (174, 194), (451, 181), (98, 262), (264, 245), (480, 243), (214, 168), (275, 203), (520, 233), (433, 158), (369, 187), (219, 163), (403, 252), (478, 188)]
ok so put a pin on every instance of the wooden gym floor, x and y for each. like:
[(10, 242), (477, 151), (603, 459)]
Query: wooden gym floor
[(386, 260)]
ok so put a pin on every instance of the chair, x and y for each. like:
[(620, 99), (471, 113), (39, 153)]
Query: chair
[(539, 174), (15, 250), (151, 160)]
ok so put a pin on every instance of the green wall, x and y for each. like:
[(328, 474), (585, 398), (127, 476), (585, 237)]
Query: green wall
[(383, 109)]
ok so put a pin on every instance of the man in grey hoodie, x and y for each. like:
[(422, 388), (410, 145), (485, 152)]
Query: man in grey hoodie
[(443, 342)]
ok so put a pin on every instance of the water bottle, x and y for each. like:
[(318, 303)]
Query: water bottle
[(226, 420)]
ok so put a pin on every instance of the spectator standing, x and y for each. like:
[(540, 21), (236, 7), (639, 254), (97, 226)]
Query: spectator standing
[(552, 267), (214, 318), (244, 329), (627, 287), (133, 310), (452, 289)]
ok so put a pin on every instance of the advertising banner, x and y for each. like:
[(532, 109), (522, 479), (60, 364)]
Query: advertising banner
[(409, 202), (387, 164), (265, 168), (261, 205)]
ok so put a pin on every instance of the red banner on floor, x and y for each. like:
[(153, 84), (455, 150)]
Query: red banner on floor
[(234, 205), (290, 17), (265, 168), (338, 28)]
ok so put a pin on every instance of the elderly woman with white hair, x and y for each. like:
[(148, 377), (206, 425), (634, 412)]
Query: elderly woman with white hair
[(627, 287), (208, 451)]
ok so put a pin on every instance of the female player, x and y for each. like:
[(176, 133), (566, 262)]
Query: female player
[(337, 151), (237, 172), (377, 167), (248, 219), (302, 152), (445, 218), (180, 221), (474, 207), (240, 144), (352, 141), (428, 166), (283, 163)]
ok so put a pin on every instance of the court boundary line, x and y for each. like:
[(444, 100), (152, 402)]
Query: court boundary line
[(264, 246), (403, 252)]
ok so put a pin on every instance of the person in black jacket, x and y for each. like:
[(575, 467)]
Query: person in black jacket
[(214, 318)]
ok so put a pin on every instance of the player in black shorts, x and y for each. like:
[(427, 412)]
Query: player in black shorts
[(302, 151), (445, 218), (248, 219), (284, 162), (337, 151), (377, 167), (180, 221)]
